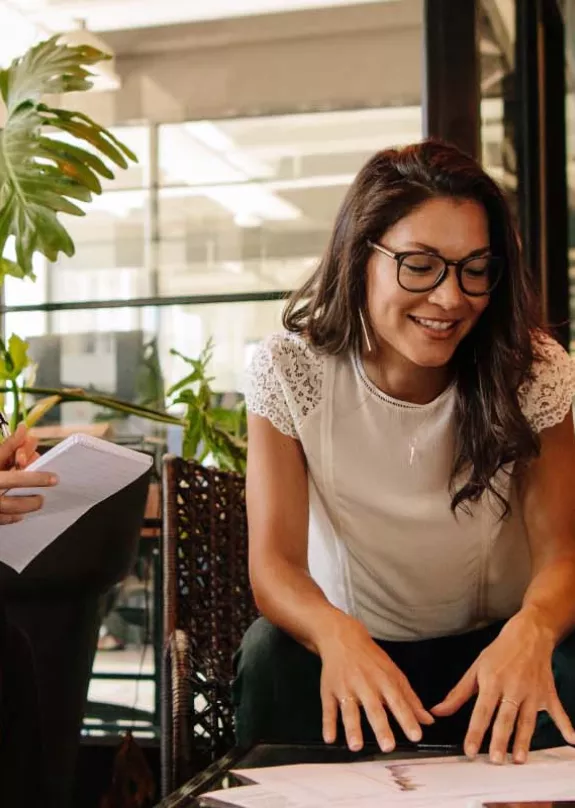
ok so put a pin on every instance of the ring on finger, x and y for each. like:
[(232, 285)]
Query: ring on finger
[(515, 704), (346, 700)]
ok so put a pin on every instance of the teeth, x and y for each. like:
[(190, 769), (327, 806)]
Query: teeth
[(437, 325)]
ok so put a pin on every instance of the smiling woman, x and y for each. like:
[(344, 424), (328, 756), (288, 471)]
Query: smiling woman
[(411, 455)]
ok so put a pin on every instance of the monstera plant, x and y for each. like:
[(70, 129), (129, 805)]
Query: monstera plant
[(52, 161)]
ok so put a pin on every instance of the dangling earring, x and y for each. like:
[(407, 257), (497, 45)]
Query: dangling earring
[(364, 329)]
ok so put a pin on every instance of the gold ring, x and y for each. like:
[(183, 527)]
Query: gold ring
[(346, 699), (505, 700)]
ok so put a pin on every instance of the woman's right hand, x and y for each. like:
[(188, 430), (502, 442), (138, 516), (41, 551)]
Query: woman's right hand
[(20, 449), (357, 674), (14, 508)]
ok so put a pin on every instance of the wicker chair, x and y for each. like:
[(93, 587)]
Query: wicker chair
[(208, 605)]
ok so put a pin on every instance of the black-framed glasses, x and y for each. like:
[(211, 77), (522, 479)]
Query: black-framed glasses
[(419, 271)]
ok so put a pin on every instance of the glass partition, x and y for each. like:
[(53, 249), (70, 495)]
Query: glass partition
[(496, 24)]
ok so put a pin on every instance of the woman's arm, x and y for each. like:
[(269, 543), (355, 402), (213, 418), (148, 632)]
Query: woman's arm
[(277, 501), (547, 494)]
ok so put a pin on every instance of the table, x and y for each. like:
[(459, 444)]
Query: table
[(217, 776)]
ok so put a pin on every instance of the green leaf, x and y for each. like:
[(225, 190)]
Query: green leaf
[(47, 69), (10, 268), (40, 175), (67, 152), (66, 115), (18, 350), (92, 135)]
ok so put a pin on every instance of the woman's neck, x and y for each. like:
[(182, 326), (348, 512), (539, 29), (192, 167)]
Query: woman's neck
[(401, 379)]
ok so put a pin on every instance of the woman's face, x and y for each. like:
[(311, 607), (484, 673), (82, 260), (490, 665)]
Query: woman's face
[(426, 328)]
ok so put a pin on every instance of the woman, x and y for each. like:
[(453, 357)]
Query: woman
[(409, 487), (20, 744)]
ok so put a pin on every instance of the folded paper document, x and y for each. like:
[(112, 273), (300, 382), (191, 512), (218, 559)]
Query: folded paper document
[(90, 470)]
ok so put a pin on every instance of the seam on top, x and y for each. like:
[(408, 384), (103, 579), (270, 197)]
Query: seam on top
[(406, 405)]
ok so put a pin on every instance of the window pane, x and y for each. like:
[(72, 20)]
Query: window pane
[(248, 205), (103, 349), (497, 68)]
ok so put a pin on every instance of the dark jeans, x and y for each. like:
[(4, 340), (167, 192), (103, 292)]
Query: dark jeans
[(276, 691), (21, 763)]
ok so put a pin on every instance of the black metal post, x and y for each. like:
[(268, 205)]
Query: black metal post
[(541, 155), (451, 73)]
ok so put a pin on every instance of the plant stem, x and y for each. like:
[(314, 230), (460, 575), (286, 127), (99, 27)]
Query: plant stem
[(15, 419), (107, 403)]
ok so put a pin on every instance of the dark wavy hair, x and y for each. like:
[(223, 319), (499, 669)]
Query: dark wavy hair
[(493, 361)]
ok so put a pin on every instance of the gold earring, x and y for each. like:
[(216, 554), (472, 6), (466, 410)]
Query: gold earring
[(364, 329)]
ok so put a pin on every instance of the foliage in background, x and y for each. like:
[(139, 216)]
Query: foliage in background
[(43, 174), (211, 430)]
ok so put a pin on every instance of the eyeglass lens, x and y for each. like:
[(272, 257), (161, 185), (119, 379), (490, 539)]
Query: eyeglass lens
[(419, 272)]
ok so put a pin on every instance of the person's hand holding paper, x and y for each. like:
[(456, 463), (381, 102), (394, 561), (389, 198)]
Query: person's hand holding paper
[(17, 452)]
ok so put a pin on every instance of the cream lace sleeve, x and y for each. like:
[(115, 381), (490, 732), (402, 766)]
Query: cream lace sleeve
[(547, 399), (283, 382)]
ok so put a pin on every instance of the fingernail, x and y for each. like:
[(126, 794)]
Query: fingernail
[(387, 745), (497, 757), (414, 735), (355, 744), (327, 738), (429, 719), (471, 750), (53, 479), (520, 757)]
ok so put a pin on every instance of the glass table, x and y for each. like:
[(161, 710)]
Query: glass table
[(219, 777)]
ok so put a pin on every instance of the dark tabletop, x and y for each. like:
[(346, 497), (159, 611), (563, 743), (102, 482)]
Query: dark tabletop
[(218, 775)]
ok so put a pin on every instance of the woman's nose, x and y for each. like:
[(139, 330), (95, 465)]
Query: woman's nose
[(448, 294)]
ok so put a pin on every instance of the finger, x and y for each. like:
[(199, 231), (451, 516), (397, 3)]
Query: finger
[(503, 727), (377, 718), (9, 445), (560, 717), (401, 709), (18, 505), (329, 717), (461, 693), (26, 453), (352, 723), (9, 519), (27, 479), (525, 728), (481, 718), (421, 714)]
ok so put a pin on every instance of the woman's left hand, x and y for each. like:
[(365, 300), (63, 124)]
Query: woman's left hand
[(22, 449), (513, 680)]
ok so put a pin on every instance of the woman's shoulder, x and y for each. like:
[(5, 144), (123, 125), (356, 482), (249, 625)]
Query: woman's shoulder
[(547, 397), (283, 347), (284, 380)]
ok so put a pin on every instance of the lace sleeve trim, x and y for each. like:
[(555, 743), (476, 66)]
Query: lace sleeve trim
[(284, 382), (547, 399)]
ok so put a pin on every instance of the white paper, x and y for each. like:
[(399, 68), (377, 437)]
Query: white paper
[(90, 470), (412, 783)]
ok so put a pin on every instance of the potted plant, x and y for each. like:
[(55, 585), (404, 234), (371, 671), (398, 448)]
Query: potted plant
[(52, 161)]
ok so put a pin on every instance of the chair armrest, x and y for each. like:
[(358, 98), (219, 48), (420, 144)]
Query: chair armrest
[(176, 694)]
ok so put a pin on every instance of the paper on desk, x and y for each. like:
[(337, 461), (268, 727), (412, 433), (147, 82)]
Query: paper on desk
[(413, 783), (90, 470)]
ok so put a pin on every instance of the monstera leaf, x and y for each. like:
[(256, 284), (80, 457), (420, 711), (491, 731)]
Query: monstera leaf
[(42, 174)]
